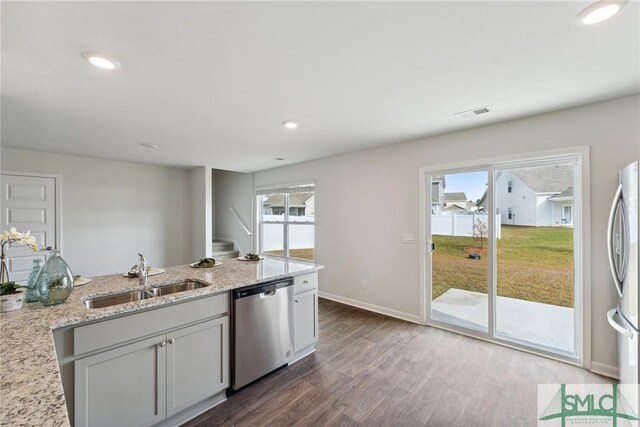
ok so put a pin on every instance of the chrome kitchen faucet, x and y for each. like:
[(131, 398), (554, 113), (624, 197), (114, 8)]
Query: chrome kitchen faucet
[(142, 271)]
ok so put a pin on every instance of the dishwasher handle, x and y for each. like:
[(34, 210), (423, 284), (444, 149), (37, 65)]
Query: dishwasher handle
[(263, 289)]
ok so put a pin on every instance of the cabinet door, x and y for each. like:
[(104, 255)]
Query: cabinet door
[(306, 319), (122, 387), (197, 363)]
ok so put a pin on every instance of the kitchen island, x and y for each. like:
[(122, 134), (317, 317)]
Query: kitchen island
[(31, 384)]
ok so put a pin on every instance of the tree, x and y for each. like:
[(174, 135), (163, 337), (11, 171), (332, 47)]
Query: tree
[(480, 231)]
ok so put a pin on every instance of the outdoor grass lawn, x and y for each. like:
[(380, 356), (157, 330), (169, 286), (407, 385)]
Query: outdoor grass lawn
[(534, 264), (295, 253)]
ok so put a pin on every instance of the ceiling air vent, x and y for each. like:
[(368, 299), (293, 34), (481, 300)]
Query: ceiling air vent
[(473, 112)]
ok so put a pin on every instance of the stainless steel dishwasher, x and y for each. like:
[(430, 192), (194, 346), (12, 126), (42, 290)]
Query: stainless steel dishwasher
[(262, 330)]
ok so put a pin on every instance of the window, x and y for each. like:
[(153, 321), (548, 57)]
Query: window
[(510, 213), (567, 211), (509, 186), (287, 222)]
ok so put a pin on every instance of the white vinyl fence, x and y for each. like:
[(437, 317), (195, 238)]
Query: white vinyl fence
[(460, 224), (301, 236)]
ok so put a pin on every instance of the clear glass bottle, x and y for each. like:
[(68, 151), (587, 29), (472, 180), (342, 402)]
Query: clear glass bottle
[(55, 280), (32, 289)]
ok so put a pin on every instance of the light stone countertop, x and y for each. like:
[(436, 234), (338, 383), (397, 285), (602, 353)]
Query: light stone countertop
[(30, 386)]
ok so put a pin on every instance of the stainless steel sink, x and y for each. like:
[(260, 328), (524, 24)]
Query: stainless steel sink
[(123, 298), (188, 285)]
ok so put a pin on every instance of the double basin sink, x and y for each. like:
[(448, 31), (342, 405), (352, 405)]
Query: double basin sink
[(142, 294)]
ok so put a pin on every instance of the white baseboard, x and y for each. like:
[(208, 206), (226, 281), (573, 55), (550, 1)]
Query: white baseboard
[(371, 307), (606, 370)]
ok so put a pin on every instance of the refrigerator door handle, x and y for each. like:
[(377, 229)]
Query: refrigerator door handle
[(610, 246), (617, 326)]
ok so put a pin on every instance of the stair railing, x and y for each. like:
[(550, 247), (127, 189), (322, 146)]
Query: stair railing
[(242, 224)]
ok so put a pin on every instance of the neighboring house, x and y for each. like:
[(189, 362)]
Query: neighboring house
[(453, 209), (539, 196), (300, 204), (457, 200), (438, 185)]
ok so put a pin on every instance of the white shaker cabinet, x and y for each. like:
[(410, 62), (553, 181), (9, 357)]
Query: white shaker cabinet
[(124, 386), (154, 367), (305, 308), (197, 363)]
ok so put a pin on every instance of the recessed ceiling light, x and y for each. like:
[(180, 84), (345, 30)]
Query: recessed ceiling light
[(149, 145), (599, 11), (101, 60), (290, 124)]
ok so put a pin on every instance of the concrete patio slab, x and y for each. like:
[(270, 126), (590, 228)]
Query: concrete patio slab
[(541, 324)]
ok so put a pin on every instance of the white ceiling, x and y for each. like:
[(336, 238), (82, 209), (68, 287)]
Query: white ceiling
[(210, 83)]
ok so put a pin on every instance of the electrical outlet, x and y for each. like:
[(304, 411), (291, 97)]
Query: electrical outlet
[(363, 284)]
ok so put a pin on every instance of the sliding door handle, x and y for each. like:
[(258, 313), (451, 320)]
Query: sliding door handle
[(430, 247)]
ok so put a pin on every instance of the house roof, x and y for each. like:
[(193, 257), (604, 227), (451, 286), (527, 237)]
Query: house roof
[(455, 197), (454, 208), (295, 199), (546, 179), (482, 198), (566, 194)]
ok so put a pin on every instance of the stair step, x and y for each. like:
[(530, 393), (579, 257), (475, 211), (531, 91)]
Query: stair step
[(225, 254), (219, 245)]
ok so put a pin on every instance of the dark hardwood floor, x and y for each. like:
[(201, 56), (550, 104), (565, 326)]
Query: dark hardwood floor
[(374, 370)]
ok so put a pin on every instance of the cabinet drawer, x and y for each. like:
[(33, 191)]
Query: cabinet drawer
[(305, 283), (110, 332)]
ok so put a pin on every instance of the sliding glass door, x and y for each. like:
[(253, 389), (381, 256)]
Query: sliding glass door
[(459, 258), (500, 252), (535, 301)]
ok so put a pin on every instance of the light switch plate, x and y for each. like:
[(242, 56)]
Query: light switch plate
[(408, 238)]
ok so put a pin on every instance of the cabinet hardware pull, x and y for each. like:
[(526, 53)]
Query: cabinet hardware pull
[(296, 300), (163, 343), (306, 282), (171, 341)]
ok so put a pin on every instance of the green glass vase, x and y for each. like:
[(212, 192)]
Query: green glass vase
[(55, 280), (32, 289)]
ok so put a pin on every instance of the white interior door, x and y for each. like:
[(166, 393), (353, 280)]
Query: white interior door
[(28, 203)]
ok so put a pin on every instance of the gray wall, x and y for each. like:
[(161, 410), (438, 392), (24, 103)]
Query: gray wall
[(233, 190), (201, 212), (113, 210), (366, 200)]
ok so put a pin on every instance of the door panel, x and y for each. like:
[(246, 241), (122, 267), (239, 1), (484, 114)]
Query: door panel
[(535, 300), (306, 323), (122, 387), (197, 363), (28, 203), (459, 263)]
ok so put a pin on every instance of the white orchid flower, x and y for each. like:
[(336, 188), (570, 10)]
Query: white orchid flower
[(14, 234)]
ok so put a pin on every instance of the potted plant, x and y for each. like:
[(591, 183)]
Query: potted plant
[(11, 298)]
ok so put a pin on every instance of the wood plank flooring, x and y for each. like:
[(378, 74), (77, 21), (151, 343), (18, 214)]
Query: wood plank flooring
[(374, 370)]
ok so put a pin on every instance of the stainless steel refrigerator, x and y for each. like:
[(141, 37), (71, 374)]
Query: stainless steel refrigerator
[(622, 243)]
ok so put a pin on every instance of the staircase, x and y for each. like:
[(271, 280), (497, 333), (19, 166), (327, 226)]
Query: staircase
[(223, 250)]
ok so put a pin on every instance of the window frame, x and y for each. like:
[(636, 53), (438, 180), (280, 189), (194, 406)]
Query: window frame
[(286, 221), (581, 243)]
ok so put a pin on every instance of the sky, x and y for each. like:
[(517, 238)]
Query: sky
[(473, 184)]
